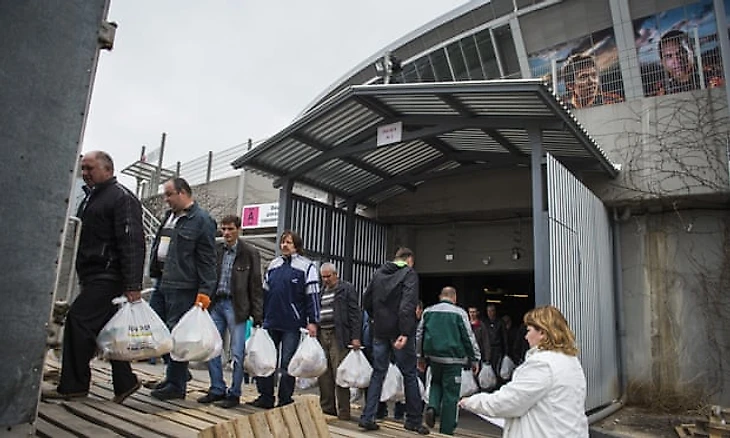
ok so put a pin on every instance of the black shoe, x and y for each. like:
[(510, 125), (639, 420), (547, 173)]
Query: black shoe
[(155, 384), (260, 403), (333, 413), (119, 398), (420, 429), (67, 396), (229, 402), (429, 417), (368, 425), (281, 405), (167, 393), (210, 398)]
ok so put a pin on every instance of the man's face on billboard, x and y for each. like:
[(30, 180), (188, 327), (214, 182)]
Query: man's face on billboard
[(676, 61), (586, 81)]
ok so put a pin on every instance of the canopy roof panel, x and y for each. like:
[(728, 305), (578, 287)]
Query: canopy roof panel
[(447, 129)]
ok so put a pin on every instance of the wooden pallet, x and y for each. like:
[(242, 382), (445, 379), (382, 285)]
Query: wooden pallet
[(301, 419)]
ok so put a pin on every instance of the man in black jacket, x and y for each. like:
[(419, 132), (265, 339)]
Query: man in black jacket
[(391, 300), (109, 263), (340, 324)]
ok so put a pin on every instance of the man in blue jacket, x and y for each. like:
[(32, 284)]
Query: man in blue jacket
[(291, 302), (183, 262), (391, 299)]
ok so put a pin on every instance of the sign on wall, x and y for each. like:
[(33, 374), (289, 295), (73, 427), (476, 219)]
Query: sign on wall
[(260, 215)]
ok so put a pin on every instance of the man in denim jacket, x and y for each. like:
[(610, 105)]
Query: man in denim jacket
[(183, 261)]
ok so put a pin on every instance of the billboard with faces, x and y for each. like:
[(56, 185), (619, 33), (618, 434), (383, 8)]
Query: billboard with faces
[(678, 49), (585, 71)]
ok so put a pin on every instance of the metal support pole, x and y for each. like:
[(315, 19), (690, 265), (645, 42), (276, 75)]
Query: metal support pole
[(722, 37), (698, 56), (349, 242), (242, 185), (539, 224), (177, 170), (328, 222), (284, 219), (155, 185), (210, 167), (554, 75)]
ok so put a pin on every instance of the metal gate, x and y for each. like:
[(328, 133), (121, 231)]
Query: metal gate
[(581, 278), (323, 228)]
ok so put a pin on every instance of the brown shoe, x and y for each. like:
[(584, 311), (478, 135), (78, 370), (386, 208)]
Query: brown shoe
[(119, 398), (344, 416), (53, 394)]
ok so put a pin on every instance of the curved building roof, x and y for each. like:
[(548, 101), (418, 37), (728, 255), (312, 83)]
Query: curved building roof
[(467, 28)]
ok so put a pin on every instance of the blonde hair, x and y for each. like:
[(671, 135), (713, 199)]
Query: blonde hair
[(553, 325)]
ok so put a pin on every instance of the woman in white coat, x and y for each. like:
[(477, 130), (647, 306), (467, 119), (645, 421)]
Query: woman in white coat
[(547, 394)]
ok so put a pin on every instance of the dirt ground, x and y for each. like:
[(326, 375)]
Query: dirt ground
[(639, 422)]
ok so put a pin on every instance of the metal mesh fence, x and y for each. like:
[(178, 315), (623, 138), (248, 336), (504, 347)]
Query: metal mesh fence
[(214, 165)]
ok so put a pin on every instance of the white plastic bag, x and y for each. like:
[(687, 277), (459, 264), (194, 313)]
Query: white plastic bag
[(135, 332), (393, 388), (487, 378), (468, 383), (309, 360), (505, 370), (427, 386), (260, 359), (354, 371), (355, 394), (306, 383), (195, 337)]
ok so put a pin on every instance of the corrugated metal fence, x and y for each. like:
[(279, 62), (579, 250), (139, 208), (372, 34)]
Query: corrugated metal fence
[(323, 227), (581, 278)]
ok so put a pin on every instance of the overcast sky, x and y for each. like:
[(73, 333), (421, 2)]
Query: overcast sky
[(214, 73)]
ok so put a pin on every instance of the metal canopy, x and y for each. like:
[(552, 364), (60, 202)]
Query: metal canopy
[(146, 171), (447, 129)]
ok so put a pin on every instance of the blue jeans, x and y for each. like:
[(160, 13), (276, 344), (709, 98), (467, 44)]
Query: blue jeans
[(171, 304), (225, 318), (288, 341), (405, 360)]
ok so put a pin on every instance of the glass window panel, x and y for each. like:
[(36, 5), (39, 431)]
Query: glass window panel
[(472, 58), (441, 66), (410, 75), (423, 65), (507, 51), (461, 73), (486, 50)]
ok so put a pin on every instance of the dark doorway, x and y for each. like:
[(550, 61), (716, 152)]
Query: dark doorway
[(513, 293)]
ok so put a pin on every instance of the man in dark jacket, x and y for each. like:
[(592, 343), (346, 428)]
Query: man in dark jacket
[(446, 340), (109, 263), (481, 334), (238, 296), (391, 300), (497, 339), (183, 262), (339, 328)]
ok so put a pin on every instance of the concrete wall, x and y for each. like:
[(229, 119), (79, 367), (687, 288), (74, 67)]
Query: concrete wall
[(479, 247), (676, 277), (494, 194), (668, 146)]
